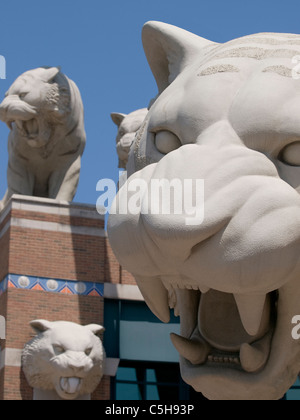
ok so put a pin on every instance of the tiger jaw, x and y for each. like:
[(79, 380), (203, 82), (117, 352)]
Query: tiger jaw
[(224, 343), (36, 131), (234, 331), (28, 128)]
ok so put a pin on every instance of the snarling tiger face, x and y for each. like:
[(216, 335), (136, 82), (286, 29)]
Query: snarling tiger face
[(34, 103), (64, 357), (228, 115)]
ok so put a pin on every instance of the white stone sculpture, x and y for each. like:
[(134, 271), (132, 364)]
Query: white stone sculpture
[(226, 114), (44, 111), (128, 125), (64, 357)]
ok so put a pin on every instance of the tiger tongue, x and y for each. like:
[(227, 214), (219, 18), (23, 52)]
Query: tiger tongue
[(70, 385)]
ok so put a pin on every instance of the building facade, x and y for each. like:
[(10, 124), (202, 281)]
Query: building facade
[(56, 264)]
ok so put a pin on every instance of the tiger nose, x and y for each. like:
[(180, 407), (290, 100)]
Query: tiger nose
[(77, 369), (78, 362)]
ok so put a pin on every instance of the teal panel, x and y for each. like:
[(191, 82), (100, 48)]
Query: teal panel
[(139, 311), (134, 333), (126, 374), (152, 393), (128, 392), (147, 341), (111, 324), (151, 375), (294, 393)]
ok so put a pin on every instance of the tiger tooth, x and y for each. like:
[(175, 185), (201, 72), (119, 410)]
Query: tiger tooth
[(188, 303), (251, 309), (156, 296), (19, 124), (254, 357), (176, 312), (195, 351), (252, 360), (204, 289), (173, 302)]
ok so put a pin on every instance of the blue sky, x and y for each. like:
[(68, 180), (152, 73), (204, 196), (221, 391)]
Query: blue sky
[(98, 45)]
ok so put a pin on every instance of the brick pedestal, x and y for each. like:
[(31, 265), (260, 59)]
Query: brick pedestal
[(53, 265)]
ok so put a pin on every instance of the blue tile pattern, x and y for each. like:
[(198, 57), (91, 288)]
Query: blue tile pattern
[(51, 285)]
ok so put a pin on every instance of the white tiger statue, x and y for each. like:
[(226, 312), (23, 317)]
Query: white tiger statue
[(64, 357), (44, 111)]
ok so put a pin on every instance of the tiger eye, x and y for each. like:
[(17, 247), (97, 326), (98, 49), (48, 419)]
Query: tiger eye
[(166, 142), (291, 154)]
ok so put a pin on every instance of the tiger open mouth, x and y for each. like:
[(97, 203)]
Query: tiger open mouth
[(226, 329), (28, 128), (69, 387), (231, 345)]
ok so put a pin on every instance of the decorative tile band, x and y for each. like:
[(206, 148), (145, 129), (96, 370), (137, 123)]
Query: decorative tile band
[(13, 281)]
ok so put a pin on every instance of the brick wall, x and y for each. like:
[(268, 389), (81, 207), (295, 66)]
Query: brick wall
[(46, 239), (24, 306), (57, 254), (113, 272)]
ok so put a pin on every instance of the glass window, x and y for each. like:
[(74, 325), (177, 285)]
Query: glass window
[(134, 333), (126, 374), (152, 393), (128, 392), (151, 375), (148, 381)]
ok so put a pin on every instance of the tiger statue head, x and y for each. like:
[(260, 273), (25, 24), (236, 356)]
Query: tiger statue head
[(35, 103), (64, 357), (227, 260)]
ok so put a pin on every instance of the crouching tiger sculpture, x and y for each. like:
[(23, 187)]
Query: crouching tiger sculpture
[(44, 111)]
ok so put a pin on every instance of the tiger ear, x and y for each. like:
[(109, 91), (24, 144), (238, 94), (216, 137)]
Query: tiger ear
[(117, 118), (95, 329), (169, 50), (50, 73), (40, 325)]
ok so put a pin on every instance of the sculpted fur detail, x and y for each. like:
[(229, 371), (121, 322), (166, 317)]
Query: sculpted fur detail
[(226, 114), (64, 357), (44, 111)]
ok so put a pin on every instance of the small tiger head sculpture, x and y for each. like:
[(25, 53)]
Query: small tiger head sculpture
[(128, 125), (64, 357)]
